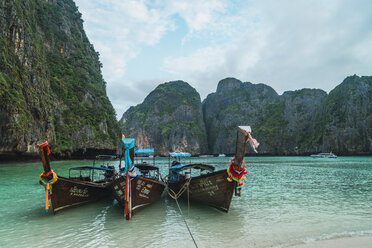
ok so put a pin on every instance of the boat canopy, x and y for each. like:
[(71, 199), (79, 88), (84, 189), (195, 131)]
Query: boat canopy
[(179, 154), (106, 156), (146, 166), (91, 168), (181, 167), (144, 150)]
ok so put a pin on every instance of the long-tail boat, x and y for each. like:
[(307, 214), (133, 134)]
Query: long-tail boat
[(210, 187), (133, 190), (84, 184)]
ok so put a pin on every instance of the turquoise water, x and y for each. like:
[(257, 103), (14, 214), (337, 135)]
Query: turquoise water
[(285, 201)]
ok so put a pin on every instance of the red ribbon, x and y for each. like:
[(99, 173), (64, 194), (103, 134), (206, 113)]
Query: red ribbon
[(43, 145)]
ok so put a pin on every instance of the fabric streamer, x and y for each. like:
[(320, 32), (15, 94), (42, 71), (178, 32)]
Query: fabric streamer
[(48, 186), (253, 143), (44, 145), (237, 174), (128, 171), (127, 145)]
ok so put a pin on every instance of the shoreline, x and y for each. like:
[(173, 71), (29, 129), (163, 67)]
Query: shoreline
[(339, 242), (35, 158)]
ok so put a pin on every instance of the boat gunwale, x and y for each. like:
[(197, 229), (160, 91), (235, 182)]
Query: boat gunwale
[(102, 185)]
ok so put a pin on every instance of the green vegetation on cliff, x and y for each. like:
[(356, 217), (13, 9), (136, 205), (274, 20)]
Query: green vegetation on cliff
[(169, 119), (297, 122), (51, 88), (50, 80), (347, 117)]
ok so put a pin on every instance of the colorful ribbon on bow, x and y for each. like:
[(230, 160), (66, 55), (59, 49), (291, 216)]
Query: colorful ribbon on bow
[(237, 174), (48, 186)]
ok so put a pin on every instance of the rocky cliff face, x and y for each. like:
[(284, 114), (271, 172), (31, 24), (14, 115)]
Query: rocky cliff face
[(51, 85), (169, 119), (297, 122), (235, 103), (345, 119), (299, 115)]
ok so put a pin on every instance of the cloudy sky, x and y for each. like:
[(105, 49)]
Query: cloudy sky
[(288, 45)]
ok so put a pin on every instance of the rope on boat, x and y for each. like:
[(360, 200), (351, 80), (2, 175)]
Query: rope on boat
[(175, 196), (180, 192), (186, 224)]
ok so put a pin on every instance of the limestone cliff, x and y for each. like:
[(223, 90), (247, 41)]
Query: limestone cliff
[(299, 115), (169, 119), (235, 103), (297, 122), (345, 120), (51, 85)]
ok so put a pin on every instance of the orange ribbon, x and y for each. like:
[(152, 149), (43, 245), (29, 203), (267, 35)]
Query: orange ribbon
[(47, 197)]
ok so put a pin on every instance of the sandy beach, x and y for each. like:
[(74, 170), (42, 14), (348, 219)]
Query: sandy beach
[(347, 242)]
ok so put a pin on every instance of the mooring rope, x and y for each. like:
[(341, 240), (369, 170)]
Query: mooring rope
[(180, 192), (175, 197), (186, 224)]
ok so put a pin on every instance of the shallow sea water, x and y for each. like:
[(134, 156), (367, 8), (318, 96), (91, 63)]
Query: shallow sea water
[(285, 201)]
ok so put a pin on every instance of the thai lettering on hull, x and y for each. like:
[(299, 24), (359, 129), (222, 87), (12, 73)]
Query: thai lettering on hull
[(75, 191), (143, 188), (205, 185)]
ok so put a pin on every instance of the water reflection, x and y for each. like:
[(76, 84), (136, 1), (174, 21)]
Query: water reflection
[(284, 201)]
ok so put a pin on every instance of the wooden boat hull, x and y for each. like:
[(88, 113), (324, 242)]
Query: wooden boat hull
[(144, 191), (68, 193), (211, 189)]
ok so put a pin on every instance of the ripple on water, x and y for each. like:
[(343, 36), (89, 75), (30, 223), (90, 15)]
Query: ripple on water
[(284, 201)]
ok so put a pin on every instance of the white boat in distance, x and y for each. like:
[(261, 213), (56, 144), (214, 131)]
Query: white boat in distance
[(221, 155), (324, 155)]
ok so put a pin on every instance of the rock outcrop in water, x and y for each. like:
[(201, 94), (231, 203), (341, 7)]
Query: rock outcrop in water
[(299, 115), (51, 85), (169, 119), (297, 122), (235, 103), (280, 123), (344, 121)]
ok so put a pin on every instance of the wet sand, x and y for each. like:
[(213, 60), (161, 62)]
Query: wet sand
[(347, 242)]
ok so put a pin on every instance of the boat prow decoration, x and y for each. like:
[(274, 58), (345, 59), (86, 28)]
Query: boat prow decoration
[(236, 171)]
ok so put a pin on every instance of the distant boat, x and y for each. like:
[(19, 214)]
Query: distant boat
[(324, 155), (221, 155)]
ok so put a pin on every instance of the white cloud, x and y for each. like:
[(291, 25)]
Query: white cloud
[(118, 29), (286, 44), (199, 15)]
